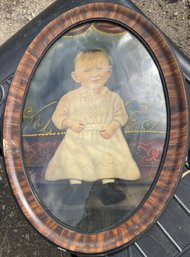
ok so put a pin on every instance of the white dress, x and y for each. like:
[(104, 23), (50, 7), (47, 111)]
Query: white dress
[(87, 155)]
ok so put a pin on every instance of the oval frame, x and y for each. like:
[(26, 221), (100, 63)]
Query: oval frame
[(163, 189)]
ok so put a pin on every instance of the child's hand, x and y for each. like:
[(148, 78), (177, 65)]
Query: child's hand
[(107, 133), (77, 126)]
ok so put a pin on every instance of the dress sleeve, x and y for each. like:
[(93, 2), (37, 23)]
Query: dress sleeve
[(61, 112), (119, 112)]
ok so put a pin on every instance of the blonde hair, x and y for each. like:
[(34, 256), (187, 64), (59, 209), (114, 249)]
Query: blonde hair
[(89, 56)]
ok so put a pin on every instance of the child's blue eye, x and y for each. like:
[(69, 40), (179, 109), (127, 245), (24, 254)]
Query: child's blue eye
[(99, 68)]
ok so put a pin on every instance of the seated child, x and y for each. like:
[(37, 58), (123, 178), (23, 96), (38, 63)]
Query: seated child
[(94, 148)]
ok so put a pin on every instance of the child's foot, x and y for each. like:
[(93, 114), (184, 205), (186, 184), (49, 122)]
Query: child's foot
[(75, 196), (111, 195)]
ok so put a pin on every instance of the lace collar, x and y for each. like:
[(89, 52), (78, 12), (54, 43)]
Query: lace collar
[(90, 94)]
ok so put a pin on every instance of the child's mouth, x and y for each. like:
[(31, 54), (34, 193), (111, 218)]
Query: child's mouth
[(95, 80)]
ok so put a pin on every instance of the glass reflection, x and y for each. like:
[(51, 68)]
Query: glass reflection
[(94, 126)]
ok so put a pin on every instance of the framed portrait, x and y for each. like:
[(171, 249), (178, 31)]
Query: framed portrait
[(94, 128)]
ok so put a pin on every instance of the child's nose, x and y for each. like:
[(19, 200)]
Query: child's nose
[(95, 72)]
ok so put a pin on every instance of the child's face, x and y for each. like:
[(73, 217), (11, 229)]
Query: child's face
[(92, 74)]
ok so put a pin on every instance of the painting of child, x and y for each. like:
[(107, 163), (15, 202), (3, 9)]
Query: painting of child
[(94, 147)]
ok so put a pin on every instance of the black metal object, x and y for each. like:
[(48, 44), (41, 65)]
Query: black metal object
[(170, 236)]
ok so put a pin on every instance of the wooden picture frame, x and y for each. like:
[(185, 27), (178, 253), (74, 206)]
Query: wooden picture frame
[(175, 143)]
